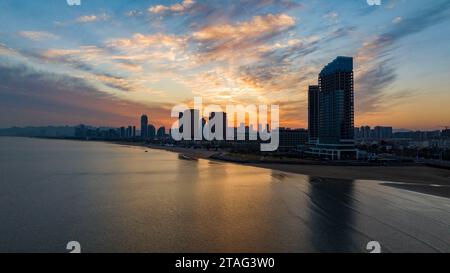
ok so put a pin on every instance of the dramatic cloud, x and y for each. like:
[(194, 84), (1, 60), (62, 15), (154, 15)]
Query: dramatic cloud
[(227, 41), (259, 26), (41, 98), (166, 45), (243, 52), (93, 62)]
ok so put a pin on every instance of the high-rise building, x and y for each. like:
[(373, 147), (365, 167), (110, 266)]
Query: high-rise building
[(151, 132), (161, 132), (336, 102), (366, 132), (313, 113), (129, 132), (144, 126)]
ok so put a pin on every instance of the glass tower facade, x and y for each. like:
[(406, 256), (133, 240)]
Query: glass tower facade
[(336, 102)]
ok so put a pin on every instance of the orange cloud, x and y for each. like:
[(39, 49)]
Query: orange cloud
[(177, 8), (257, 27)]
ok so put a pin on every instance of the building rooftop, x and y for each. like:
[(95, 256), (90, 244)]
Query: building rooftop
[(340, 64)]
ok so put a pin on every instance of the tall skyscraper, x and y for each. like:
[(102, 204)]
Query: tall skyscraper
[(144, 126), (331, 111), (129, 132), (336, 102), (313, 113)]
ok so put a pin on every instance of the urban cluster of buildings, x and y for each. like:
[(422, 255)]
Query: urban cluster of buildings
[(377, 133), (147, 131), (244, 137), (385, 136), (331, 124), (331, 131)]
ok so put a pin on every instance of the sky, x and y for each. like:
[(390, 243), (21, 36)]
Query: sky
[(104, 63)]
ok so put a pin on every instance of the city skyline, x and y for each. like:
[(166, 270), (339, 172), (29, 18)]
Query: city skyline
[(104, 65)]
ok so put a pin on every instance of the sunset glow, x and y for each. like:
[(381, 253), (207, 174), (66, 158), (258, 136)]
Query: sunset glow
[(105, 64)]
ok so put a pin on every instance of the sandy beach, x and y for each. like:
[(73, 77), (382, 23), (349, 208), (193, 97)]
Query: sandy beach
[(412, 175)]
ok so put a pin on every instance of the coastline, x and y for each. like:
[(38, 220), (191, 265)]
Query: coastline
[(414, 174), (417, 178)]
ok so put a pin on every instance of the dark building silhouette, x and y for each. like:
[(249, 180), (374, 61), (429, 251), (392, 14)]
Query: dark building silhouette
[(144, 126), (81, 131), (377, 133), (313, 113), (336, 102), (161, 132), (151, 132), (291, 139), (445, 133), (134, 131)]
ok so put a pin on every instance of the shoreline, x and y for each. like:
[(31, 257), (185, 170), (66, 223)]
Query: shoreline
[(417, 178), (421, 179), (412, 174)]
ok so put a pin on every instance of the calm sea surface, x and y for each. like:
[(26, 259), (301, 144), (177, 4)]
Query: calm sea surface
[(113, 198)]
